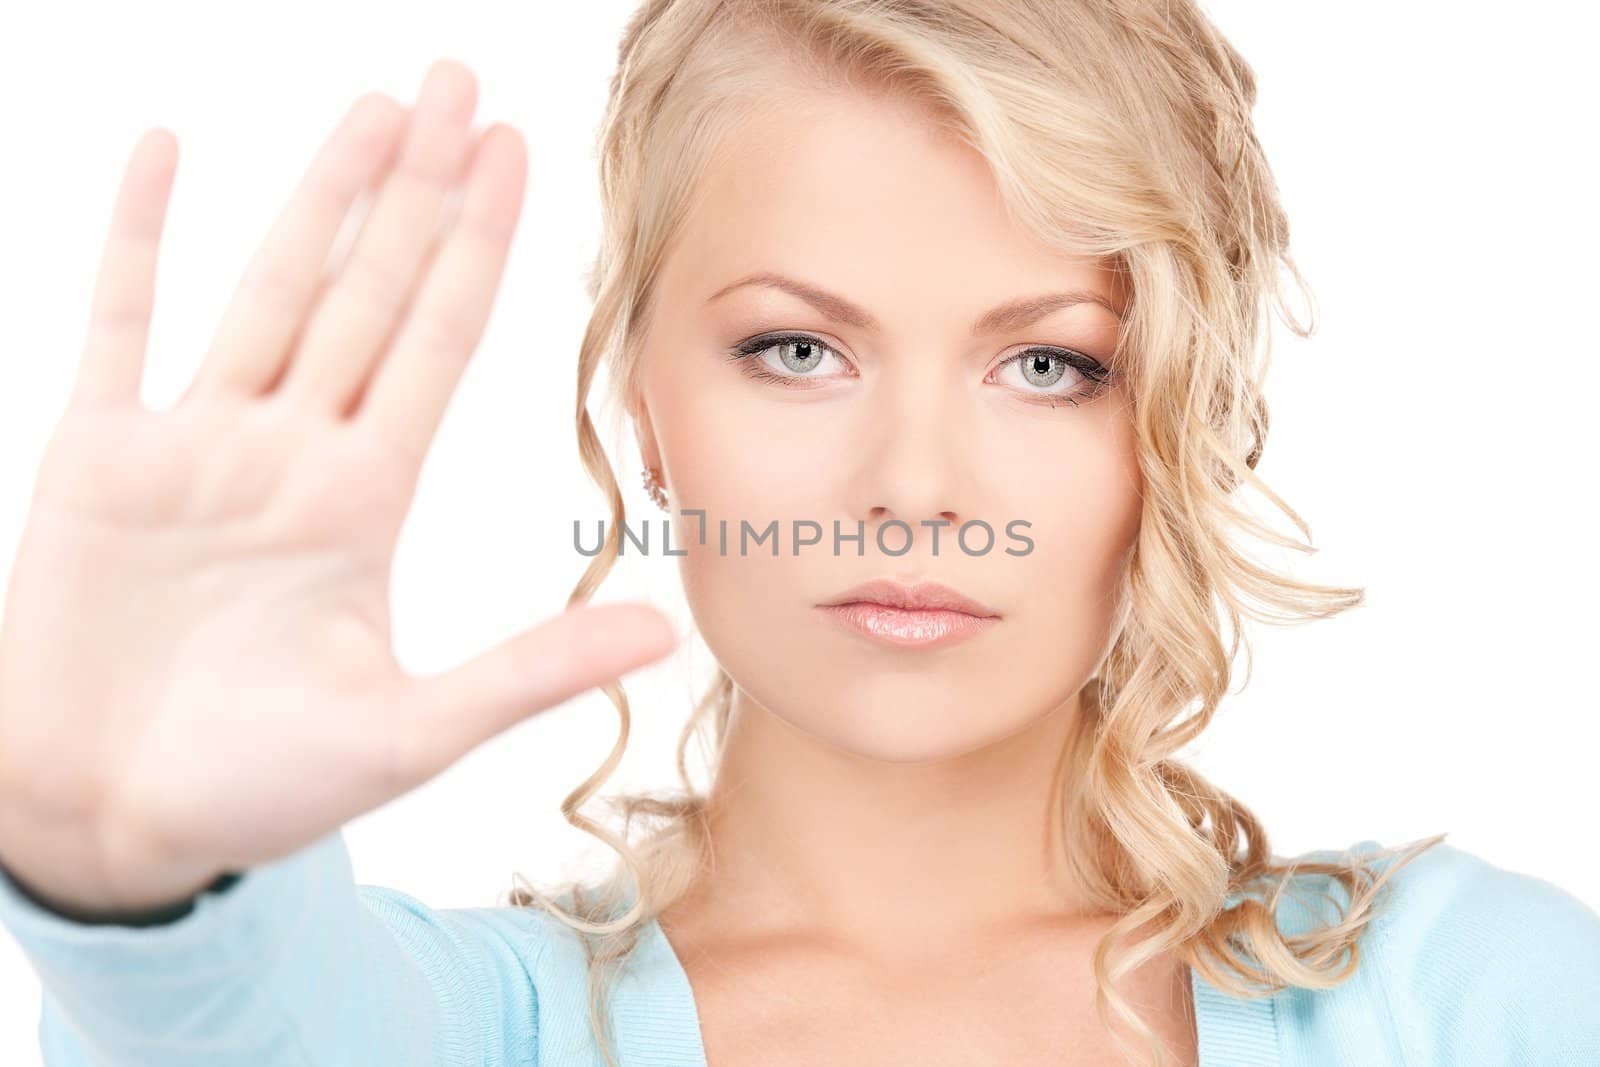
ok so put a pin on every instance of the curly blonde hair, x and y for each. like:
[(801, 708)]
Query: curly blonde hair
[(1115, 128)]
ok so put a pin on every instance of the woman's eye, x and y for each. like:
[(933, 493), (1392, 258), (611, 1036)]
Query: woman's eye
[(1042, 372), (1045, 375), (786, 357)]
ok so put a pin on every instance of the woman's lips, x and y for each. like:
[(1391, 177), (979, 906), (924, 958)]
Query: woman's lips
[(907, 627)]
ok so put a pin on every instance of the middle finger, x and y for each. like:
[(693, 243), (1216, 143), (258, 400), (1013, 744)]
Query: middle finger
[(347, 330)]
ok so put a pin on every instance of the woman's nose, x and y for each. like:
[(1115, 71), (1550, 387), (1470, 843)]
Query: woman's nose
[(915, 466)]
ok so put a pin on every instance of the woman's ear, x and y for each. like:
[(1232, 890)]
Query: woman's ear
[(644, 431)]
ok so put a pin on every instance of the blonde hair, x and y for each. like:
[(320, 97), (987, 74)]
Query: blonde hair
[(1115, 128)]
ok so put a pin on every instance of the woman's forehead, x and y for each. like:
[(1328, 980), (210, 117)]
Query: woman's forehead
[(860, 191)]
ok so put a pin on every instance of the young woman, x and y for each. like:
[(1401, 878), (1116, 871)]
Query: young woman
[(963, 303)]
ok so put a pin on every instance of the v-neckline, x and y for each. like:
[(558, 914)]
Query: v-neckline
[(1230, 1031)]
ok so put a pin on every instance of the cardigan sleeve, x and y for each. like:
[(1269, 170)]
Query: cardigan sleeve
[(1496, 968), (290, 963)]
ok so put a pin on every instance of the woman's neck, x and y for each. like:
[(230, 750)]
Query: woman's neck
[(810, 838)]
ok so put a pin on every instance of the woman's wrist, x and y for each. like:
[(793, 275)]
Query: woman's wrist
[(159, 915)]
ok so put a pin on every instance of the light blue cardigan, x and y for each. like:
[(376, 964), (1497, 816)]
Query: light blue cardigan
[(1470, 965)]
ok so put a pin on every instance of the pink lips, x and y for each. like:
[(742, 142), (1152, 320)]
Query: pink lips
[(922, 615)]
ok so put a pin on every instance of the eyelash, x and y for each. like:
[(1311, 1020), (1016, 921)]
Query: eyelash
[(1097, 375)]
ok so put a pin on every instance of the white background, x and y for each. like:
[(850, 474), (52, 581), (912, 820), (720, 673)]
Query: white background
[(1438, 433)]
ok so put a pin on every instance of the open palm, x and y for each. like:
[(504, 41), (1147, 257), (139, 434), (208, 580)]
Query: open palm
[(196, 670)]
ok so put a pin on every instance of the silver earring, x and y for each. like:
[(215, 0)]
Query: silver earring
[(653, 487)]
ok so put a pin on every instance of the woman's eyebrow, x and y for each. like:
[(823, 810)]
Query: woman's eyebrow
[(1012, 315)]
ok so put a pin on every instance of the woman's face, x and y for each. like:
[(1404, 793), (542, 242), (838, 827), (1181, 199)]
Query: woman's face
[(904, 400)]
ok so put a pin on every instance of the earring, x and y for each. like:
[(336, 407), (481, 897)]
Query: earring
[(653, 487)]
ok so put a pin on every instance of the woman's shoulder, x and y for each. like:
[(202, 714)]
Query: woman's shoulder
[(549, 948), (1451, 884), (1446, 900), (529, 932), (1479, 963)]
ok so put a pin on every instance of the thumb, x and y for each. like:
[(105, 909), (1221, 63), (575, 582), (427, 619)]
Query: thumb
[(587, 645)]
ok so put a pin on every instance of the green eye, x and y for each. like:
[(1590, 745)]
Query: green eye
[(1042, 369), (1039, 370), (798, 355)]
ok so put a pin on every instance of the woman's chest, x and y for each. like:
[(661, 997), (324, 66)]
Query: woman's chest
[(809, 1012)]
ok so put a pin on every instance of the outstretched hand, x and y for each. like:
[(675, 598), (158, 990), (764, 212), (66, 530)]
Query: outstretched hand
[(196, 671)]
